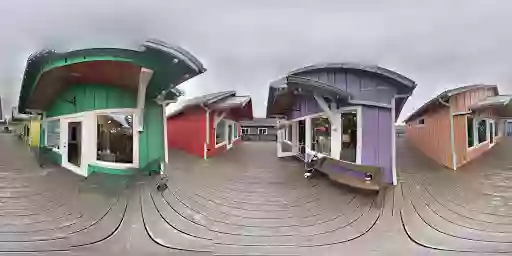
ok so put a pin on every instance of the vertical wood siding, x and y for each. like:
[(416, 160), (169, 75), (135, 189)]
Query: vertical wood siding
[(433, 138), (376, 139), (461, 103)]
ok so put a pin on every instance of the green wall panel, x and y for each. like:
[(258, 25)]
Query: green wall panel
[(91, 97), (151, 140), (94, 168)]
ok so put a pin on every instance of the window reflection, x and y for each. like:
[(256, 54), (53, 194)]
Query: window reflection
[(321, 135), (115, 138), (220, 132), (349, 145)]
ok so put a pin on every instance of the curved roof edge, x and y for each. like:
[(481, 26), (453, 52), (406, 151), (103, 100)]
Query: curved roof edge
[(357, 66), (177, 51)]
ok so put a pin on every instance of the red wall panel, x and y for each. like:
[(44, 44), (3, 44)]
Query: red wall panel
[(187, 131)]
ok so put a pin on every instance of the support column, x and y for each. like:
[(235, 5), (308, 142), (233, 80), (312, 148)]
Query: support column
[(295, 137), (309, 136), (336, 136), (144, 77)]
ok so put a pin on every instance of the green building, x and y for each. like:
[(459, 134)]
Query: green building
[(103, 109)]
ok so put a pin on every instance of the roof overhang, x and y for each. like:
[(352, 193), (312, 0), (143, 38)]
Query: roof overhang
[(47, 73), (500, 101), (283, 92)]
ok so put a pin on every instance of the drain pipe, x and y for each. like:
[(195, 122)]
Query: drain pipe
[(207, 140), (452, 137)]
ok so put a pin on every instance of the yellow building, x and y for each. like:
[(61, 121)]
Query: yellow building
[(29, 131)]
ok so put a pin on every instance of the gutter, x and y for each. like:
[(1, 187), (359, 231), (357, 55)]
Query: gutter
[(207, 140), (452, 136)]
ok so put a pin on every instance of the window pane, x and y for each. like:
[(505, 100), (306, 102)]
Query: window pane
[(53, 134), (482, 131), (115, 138), (321, 135), (220, 132), (290, 133), (349, 139), (469, 125), (496, 127)]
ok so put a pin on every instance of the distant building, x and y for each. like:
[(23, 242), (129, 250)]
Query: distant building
[(259, 129), (208, 125)]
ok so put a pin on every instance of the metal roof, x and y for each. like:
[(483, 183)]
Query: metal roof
[(199, 100), (363, 67), (447, 94)]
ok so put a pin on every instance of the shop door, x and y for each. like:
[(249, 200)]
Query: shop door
[(491, 130), (71, 144)]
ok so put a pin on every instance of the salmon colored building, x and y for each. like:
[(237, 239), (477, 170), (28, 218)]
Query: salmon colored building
[(459, 124), (207, 125)]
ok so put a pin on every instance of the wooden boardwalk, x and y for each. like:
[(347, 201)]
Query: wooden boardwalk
[(248, 202)]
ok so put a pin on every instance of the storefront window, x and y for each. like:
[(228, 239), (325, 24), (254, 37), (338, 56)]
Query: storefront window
[(220, 135), (321, 135), (53, 134), (482, 131), (349, 139), (115, 138), (289, 133), (469, 126)]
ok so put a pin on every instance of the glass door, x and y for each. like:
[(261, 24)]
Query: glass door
[(71, 144)]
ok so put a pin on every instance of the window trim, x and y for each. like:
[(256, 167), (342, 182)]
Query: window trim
[(263, 129), (225, 142), (359, 113), (242, 130), (467, 135), (477, 144), (135, 136)]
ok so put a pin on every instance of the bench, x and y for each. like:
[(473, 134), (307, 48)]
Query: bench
[(364, 177)]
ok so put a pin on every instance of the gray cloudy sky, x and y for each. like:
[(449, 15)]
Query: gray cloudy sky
[(246, 44)]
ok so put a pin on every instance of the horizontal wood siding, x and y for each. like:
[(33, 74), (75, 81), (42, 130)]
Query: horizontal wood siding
[(433, 137)]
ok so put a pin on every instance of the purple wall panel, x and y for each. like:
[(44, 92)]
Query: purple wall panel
[(306, 106), (376, 145)]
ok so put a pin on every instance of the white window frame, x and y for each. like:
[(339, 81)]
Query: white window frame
[(262, 129), (236, 130), (477, 144), (90, 117), (225, 128), (467, 135), (289, 127), (359, 113), (45, 127), (135, 156), (242, 130)]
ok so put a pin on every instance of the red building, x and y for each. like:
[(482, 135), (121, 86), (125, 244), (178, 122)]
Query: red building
[(207, 125)]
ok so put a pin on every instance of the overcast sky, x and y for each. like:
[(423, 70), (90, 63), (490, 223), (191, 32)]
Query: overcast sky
[(246, 44)]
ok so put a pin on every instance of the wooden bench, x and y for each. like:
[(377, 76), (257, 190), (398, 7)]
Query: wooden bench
[(354, 175)]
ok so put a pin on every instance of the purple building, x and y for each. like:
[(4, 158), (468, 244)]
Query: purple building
[(345, 111)]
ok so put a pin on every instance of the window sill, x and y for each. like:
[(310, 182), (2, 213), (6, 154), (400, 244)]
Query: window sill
[(221, 144), (114, 165), (478, 145)]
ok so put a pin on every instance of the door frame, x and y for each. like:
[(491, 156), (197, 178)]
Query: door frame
[(64, 134), (230, 138)]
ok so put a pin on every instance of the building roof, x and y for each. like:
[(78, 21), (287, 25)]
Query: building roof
[(47, 72), (358, 66), (446, 94), (218, 100), (297, 81), (258, 121)]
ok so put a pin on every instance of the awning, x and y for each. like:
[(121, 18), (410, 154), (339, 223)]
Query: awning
[(231, 102), (493, 101)]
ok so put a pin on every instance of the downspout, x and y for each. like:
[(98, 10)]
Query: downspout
[(452, 137), (393, 136), (207, 140)]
